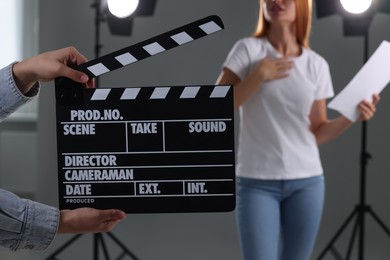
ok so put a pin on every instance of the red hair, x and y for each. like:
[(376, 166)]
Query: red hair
[(302, 21)]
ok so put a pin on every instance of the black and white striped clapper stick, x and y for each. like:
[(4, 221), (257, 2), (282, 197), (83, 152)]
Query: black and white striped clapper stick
[(152, 46)]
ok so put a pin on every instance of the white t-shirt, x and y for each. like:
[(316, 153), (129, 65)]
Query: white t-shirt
[(275, 141)]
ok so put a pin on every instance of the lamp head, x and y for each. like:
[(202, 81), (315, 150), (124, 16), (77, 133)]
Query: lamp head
[(120, 14), (357, 14), (356, 6), (122, 8)]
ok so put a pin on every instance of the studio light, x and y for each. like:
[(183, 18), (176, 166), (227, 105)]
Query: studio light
[(356, 14), (356, 6), (119, 26), (122, 8), (120, 14)]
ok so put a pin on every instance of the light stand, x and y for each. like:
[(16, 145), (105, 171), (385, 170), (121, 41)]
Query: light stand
[(362, 208), (98, 46), (98, 239)]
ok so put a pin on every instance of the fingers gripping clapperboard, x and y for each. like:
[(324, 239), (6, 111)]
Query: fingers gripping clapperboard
[(147, 149)]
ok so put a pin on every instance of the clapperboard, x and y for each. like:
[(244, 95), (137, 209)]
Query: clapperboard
[(146, 149)]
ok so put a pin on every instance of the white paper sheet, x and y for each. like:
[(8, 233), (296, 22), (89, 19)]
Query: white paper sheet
[(372, 78)]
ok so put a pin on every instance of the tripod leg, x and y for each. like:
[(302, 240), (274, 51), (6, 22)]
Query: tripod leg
[(336, 254), (105, 251), (379, 221), (98, 239), (338, 233), (351, 241), (124, 248), (95, 247), (362, 232), (63, 247)]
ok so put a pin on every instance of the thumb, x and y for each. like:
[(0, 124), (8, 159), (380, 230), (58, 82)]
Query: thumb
[(75, 75)]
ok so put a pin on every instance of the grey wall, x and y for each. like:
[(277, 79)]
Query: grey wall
[(213, 236)]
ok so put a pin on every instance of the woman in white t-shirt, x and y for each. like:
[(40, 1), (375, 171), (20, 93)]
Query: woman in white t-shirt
[(281, 87)]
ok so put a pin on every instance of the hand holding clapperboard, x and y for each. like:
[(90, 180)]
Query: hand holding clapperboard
[(150, 149)]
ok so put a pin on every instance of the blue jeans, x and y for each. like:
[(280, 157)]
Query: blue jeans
[(279, 219)]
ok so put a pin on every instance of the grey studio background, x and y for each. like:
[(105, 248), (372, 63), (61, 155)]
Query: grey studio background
[(28, 149)]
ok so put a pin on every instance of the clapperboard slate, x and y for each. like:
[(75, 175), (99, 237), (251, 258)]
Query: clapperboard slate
[(148, 149)]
